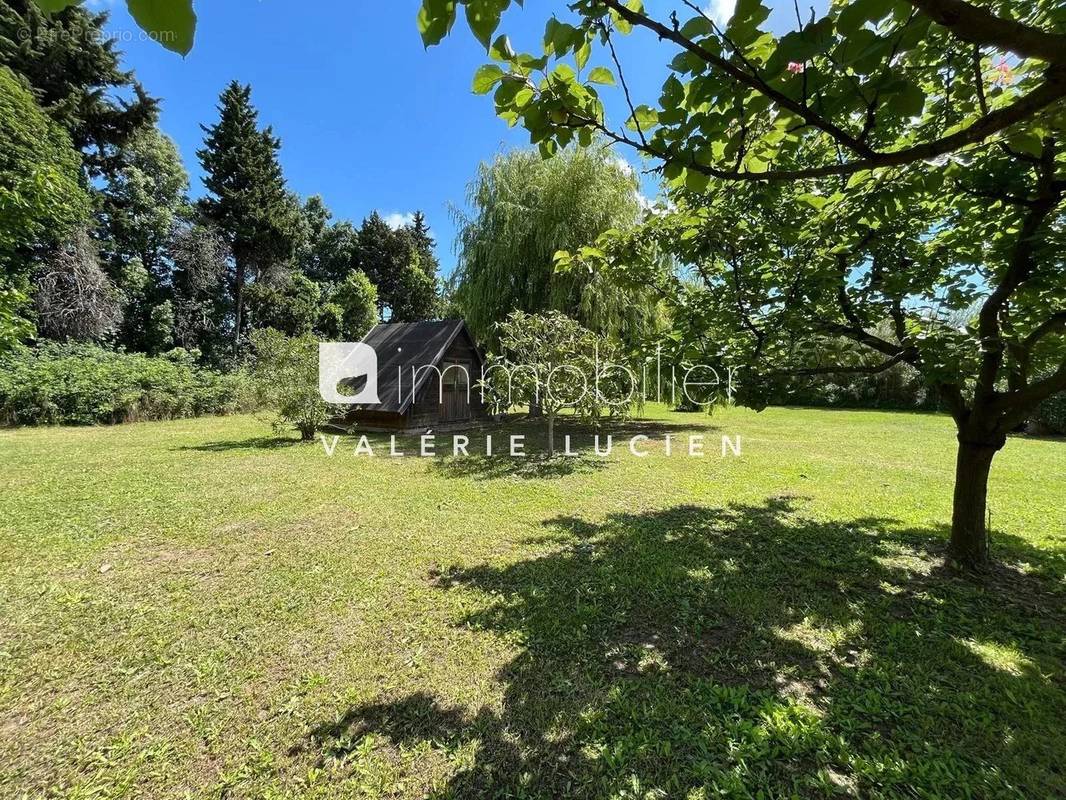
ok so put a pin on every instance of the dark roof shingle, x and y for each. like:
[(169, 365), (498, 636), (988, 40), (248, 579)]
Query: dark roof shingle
[(401, 346)]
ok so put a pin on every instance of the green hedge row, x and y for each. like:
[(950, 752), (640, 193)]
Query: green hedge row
[(80, 384)]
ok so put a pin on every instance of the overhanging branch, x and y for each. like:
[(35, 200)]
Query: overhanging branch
[(980, 26)]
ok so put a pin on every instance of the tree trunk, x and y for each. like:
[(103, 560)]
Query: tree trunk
[(551, 435), (238, 302), (969, 535)]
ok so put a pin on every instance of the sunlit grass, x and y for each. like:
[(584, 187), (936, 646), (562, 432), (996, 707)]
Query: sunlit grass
[(197, 608)]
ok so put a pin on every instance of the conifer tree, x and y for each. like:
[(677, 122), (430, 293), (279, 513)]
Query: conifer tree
[(248, 201), (73, 68)]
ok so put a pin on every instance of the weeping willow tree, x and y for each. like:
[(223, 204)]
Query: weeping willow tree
[(524, 210)]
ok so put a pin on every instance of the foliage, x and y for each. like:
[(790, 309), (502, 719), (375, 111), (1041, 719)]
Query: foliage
[(83, 384), (892, 159), (199, 276), (145, 195), (41, 200), (524, 210), (330, 250), (72, 64), (550, 362), (1051, 414), (356, 300), (284, 374), (75, 298), (290, 305), (144, 198), (391, 259), (13, 324), (247, 200)]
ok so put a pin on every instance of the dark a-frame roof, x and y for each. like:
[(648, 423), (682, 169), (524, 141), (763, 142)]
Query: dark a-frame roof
[(401, 346)]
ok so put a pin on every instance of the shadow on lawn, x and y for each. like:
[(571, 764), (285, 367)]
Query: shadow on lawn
[(536, 464), (749, 650), (254, 443)]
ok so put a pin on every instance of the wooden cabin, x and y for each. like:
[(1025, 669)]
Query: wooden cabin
[(413, 358)]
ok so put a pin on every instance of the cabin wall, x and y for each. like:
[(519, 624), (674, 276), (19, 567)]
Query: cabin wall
[(426, 411)]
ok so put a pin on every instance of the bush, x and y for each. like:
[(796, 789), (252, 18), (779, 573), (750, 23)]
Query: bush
[(1051, 415), (82, 384), (284, 376)]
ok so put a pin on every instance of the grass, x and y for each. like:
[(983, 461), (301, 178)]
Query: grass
[(196, 608)]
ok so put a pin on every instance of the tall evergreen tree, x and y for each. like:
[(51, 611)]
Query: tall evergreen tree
[(424, 244), (248, 201), (73, 68)]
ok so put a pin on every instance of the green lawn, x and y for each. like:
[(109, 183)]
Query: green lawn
[(196, 609)]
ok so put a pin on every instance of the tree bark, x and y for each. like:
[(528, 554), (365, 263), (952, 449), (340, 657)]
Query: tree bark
[(551, 435), (969, 534), (238, 301)]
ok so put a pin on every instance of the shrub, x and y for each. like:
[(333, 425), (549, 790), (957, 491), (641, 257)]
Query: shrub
[(285, 379), (1051, 415), (83, 384)]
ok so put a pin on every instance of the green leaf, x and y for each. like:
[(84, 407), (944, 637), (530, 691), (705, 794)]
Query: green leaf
[(172, 23), (644, 116), (858, 13), (483, 17), (696, 181), (601, 75), (560, 38), (501, 49), (487, 77), (435, 19), (696, 27), (581, 55), (815, 201)]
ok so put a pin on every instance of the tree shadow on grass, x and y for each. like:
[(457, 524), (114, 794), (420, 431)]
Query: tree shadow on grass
[(253, 443), (536, 464), (748, 650)]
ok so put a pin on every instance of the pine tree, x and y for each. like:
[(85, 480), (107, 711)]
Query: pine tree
[(424, 244), (248, 201), (73, 67)]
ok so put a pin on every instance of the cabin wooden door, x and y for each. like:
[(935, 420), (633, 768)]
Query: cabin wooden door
[(455, 402)]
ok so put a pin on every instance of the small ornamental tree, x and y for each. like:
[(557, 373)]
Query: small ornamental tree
[(285, 378), (549, 360), (900, 159)]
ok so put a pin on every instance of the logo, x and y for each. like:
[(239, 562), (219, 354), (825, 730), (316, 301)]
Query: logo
[(349, 362)]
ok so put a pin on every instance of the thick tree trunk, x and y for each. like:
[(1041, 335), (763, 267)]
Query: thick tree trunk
[(969, 535), (551, 435)]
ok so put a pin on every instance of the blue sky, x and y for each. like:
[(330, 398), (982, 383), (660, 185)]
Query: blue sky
[(368, 118)]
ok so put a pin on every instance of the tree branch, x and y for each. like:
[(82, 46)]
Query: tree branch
[(836, 370), (978, 25), (1017, 273), (1050, 91), (1020, 404), (740, 76)]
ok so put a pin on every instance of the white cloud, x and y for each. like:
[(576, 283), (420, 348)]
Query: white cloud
[(397, 220), (721, 11), (624, 166)]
